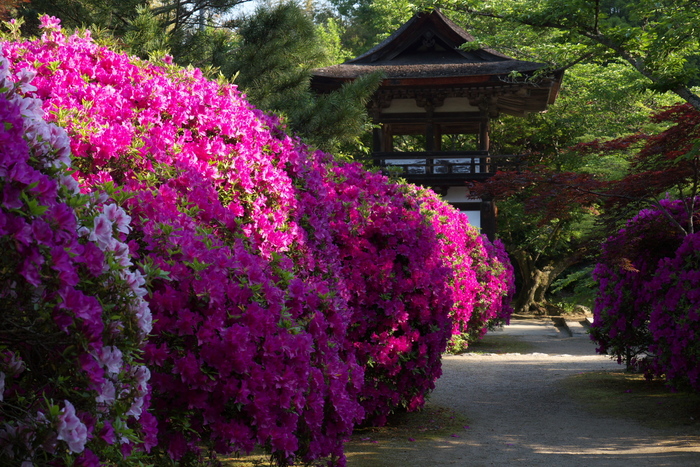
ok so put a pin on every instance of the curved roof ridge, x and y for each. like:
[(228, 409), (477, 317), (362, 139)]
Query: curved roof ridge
[(447, 29)]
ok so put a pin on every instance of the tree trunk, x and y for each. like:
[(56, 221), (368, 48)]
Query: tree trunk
[(536, 280)]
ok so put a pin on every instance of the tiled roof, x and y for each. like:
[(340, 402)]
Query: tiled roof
[(428, 45)]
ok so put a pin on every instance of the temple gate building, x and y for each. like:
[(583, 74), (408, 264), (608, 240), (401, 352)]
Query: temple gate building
[(439, 94)]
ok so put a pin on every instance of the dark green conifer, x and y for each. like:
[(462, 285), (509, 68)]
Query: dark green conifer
[(279, 47)]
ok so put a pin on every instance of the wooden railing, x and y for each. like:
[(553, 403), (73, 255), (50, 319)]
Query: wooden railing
[(446, 164)]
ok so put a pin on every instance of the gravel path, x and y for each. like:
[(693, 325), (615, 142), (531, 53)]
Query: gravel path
[(519, 415)]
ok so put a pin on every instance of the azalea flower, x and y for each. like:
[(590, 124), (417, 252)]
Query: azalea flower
[(71, 429)]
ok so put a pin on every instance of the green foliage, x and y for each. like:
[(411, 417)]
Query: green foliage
[(658, 38), (329, 33), (186, 28), (523, 229), (113, 15), (279, 47), (596, 102), (575, 288), (209, 49), (145, 33), (336, 121)]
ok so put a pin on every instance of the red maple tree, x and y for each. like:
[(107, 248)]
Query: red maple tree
[(8, 6), (664, 164)]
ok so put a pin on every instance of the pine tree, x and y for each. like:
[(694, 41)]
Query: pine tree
[(279, 48)]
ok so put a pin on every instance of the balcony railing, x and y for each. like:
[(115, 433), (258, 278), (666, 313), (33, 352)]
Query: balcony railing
[(436, 165)]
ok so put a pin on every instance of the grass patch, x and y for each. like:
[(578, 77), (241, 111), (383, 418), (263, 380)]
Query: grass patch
[(491, 343), (380, 446), (430, 423), (631, 396), (256, 459), (403, 430)]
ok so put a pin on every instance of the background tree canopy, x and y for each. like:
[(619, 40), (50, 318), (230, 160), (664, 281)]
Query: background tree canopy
[(624, 61)]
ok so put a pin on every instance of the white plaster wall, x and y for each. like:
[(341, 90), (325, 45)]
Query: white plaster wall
[(459, 194), (403, 106), (457, 104), (474, 218)]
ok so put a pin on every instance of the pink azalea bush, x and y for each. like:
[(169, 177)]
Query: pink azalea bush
[(74, 317), (647, 308), (241, 354), (293, 297), (395, 283), (674, 321), (482, 283)]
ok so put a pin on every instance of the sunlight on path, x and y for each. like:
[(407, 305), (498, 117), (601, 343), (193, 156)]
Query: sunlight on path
[(520, 415)]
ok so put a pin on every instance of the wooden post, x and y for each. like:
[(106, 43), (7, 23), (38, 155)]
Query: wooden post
[(429, 139), (488, 219), (484, 141), (377, 139), (388, 138)]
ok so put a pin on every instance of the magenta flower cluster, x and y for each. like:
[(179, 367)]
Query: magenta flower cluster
[(483, 280), (74, 318), (647, 311), (292, 297)]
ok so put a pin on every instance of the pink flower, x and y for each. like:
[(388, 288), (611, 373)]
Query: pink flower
[(50, 22), (144, 318), (107, 394), (110, 358), (142, 375), (88, 459), (135, 281), (119, 217), (102, 232), (136, 408), (71, 429), (107, 433)]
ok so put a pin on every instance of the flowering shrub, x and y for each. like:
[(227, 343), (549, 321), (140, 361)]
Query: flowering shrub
[(646, 311), (496, 275), (240, 355), (674, 321), (394, 281), (74, 318), (292, 296), (482, 283)]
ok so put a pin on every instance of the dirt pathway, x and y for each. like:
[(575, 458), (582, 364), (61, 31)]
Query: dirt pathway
[(519, 414)]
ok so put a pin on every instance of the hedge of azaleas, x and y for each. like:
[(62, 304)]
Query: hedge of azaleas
[(293, 297), (647, 311), (73, 314), (483, 279)]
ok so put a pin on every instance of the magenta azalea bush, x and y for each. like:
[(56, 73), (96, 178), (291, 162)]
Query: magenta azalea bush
[(395, 284), (647, 308), (292, 297), (482, 283), (72, 389), (674, 321)]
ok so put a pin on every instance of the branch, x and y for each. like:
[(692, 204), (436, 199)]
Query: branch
[(670, 217), (595, 35), (543, 24), (550, 238), (575, 62), (655, 201), (597, 17)]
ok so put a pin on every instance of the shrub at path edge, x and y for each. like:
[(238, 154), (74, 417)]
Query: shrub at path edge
[(648, 306), (73, 314), (263, 249)]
